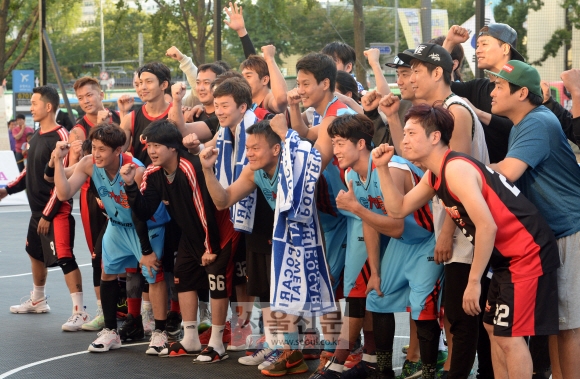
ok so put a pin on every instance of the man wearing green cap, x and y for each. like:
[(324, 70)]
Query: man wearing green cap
[(542, 165)]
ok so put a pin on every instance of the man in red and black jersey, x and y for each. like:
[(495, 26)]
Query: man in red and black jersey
[(204, 257), (505, 228), (50, 236)]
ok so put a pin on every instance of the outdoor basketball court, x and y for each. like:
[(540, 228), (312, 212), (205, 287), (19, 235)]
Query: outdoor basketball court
[(36, 347)]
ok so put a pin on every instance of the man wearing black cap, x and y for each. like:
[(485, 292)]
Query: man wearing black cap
[(542, 165)]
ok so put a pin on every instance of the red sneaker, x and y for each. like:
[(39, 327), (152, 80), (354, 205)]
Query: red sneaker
[(205, 336), (353, 359), (239, 337)]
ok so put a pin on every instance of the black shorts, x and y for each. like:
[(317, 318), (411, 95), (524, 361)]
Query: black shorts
[(528, 308), (240, 260), (259, 275), (190, 275), (58, 243), (170, 245)]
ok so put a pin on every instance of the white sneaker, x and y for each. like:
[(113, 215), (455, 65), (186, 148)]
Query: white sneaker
[(148, 321), (97, 323), (270, 359), (76, 321), (106, 340), (255, 359), (158, 342), (29, 306)]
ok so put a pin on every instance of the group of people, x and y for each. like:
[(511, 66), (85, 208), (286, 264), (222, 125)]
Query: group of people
[(457, 196)]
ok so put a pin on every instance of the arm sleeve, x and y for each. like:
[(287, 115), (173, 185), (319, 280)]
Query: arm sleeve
[(52, 207), (143, 205), (143, 234), (565, 119), (189, 69), (18, 184), (247, 45)]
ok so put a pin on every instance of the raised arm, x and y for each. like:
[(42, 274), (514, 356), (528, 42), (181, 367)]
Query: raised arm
[(236, 22), (389, 105), (225, 198), (66, 188), (455, 36), (296, 119), (276, 101), (176, 115), (373, 59), (126, 125), (397, 204)]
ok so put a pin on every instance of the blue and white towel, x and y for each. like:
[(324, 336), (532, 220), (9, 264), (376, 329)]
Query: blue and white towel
[(302, 284), (230, 162)]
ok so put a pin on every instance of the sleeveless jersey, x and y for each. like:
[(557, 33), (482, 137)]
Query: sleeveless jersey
[(139, 121), (268, 186), (525, 246), (114, 198), (85, 125), (478, 145)]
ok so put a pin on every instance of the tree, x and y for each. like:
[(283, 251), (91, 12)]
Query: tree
[(458, 11), (22, 17), (514, 13), (563, 36), (358, 24)]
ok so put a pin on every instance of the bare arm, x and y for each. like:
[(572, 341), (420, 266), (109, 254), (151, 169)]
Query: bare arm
[(389, 105), (126, 126), (176, 115), (511, 168), (225, 198), (349, 102), (381, 83), (277, 101), (296, 119), (461, 137), (397, 204), (66, 188), (372, 239), (484, 117)]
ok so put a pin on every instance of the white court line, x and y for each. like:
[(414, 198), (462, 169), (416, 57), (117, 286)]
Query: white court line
[(28, 210), (18, 369), (29, 273)]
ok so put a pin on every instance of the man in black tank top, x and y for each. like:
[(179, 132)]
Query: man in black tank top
[(504, 227)]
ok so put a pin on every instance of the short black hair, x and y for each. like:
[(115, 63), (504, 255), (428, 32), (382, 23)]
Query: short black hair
[(321, 66), (213, 67), (11, 121), (164, 132), (158, 69), (263, 128), (431, 67), (340, 50), (346, 83), (536, 100), (456, 54), (48, 95), (110, 135), (20, 116), (238, 88), (225, 65), (353, 127), (434, 118)]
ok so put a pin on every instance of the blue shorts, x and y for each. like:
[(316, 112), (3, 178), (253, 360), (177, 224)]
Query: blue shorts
[(409, 277), (122, 249), (335, 241)]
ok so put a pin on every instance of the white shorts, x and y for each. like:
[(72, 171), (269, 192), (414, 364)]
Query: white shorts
[(569, 282)]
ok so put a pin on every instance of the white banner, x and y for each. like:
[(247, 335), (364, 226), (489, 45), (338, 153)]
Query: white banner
[(9, 172), (470, 45)]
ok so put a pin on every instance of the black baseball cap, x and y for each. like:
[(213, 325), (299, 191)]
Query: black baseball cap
[(429, 53), (398, 62), (504, 33)]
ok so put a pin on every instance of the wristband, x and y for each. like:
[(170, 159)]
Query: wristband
[(201, 147), (49, 171)]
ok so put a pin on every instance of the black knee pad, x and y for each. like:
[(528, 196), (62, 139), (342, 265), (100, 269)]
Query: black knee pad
[(68, 265), (355, 307)]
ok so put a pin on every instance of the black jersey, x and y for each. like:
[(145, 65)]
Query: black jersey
[(525, 246), (139, 121), (188, 202), (210, 120), (41, 194), (84, 124)]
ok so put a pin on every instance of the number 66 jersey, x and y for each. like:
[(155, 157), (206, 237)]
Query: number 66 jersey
[(525, 246)]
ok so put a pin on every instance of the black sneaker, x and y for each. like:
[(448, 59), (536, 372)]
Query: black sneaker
[(132, 328), (122, 308), (173, 326)]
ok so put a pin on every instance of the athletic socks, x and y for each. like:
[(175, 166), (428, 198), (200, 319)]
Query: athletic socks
[(369, 342), (160, 324), (37, 293), (384, 360), (190, 339), (77, 300), (215, 341), (133, 306), (146, 305), (291, 339), (341, 354), (175, 306), (109, 296)]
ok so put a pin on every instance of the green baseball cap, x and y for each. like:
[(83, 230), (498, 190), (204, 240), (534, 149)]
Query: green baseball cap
[(521, 74)]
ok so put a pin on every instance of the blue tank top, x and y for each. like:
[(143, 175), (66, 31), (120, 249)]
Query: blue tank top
[(268, 186), (112, 193), (418, 225)]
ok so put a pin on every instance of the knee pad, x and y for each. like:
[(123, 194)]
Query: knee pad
[(68, 265), (134, 285), (355, 307)]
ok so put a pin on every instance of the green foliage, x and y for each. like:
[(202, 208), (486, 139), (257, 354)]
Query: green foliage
[(458, 11), (514, 13)]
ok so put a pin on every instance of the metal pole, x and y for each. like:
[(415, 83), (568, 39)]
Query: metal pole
[(54, 64), (102, 40), (479, 23), (396, 27), (217, 31), (426, 20), (140, 49), (42, 75)]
